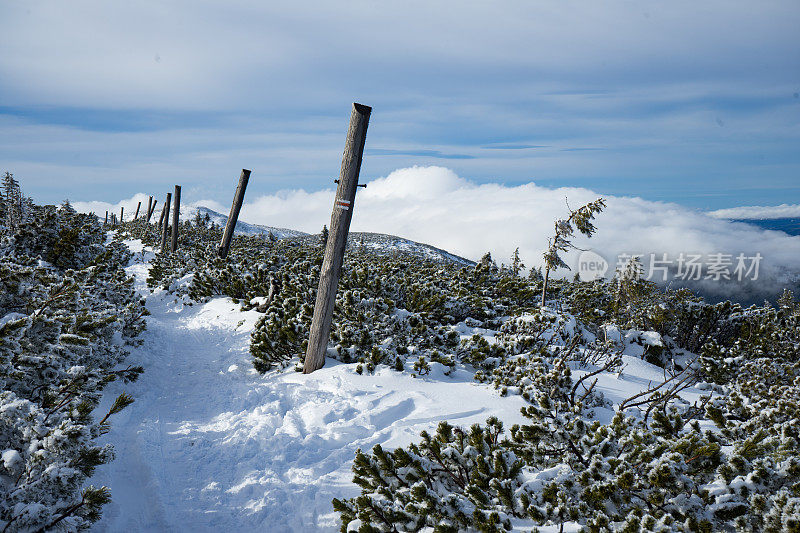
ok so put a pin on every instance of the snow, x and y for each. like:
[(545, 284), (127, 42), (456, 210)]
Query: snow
[(11, 317), (10, 458), (209, 444)]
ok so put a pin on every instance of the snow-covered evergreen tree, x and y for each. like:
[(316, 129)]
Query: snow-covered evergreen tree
[(67, 315)]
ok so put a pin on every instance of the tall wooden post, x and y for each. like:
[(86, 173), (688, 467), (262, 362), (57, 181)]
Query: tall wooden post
[(176, 213), (165, 225), (121, 213), (337, 238), (106, 222), (138, 206), (233, 217)]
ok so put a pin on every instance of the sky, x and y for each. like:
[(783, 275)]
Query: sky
[(689, 103)]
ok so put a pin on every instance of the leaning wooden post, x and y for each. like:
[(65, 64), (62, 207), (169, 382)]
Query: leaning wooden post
[(164, 211), (138, 206), (233, 217), (176, 213), (106, 222), (151, 211), (165, 225), (337, 238)]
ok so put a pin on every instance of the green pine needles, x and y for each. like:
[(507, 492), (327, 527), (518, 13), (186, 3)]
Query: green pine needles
[(68, 315), (726, 460)]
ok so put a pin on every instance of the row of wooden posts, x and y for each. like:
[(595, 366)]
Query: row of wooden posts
[(166, 230), (337, 236)]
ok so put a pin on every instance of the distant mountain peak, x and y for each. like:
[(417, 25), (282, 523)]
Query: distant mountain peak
[(245, 228), (375, 241)]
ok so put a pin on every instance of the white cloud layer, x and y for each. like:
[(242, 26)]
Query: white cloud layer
[(129, 205), (435, 206), (759, 211)]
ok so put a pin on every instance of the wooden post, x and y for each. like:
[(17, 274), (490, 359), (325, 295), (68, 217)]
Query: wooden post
[(138, 206), (163, 212), (106, 222), (165, 226), (149, 207), (151, 210), (176, 213), (121, 214), (233, 217), (337, 238)]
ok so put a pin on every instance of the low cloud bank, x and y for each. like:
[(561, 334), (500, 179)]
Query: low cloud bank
[(759, 211), (435, 206)]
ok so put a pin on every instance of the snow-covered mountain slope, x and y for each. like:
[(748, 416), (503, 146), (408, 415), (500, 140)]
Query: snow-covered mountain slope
[(242, 228), (211, 445), (391, 244), (375, 241)]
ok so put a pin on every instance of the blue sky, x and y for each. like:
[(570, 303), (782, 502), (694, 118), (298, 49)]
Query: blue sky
[(686, 102)]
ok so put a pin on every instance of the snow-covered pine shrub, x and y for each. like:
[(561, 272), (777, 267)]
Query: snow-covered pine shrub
[(390, 307), (662, 473), (451, 481), (67, 313)]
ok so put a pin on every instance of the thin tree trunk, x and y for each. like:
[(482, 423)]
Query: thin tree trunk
[(544, 287)]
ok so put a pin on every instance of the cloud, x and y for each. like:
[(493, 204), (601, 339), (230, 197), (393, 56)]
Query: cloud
[(129, 205), (435, 206), (141, 92), (758, 211), (99, 208)]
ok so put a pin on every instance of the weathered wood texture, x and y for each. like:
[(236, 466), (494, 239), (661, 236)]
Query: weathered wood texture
[(121, 215), (165, 224), (337, 238), (138, 206), (176, 214), (106, 222), (233, 217)]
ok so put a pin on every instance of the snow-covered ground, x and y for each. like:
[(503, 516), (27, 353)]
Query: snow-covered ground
[(211, 445)]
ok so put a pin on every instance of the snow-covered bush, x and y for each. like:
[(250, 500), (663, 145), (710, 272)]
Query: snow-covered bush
[(727, 462), (451, 481), (67, 314), (670, 471)]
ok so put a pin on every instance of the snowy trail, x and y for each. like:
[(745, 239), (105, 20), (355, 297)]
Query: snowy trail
[(211, 445)]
